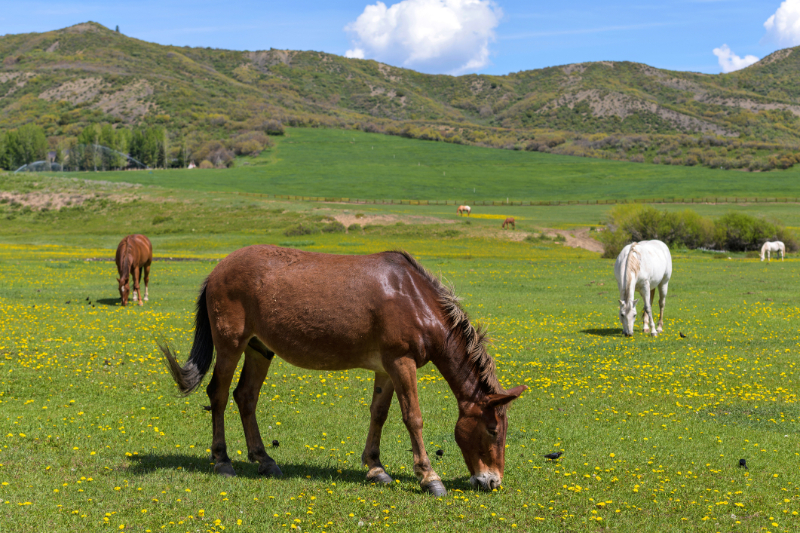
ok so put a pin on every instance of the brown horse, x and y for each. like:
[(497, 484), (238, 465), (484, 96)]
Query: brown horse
[(464, 209), (510, 222), (134, 255), (382, 312)]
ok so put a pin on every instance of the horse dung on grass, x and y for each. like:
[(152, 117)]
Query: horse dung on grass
[(382, 312), (642, 266), (134, 255)]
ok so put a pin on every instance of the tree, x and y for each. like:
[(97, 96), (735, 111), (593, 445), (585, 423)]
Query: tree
[(117, 30)]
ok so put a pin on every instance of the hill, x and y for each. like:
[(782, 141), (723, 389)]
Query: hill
[(66, 79)]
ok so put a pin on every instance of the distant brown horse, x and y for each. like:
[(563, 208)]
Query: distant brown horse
[(382, 312), (134, 255), (510, 223), (464, 209)]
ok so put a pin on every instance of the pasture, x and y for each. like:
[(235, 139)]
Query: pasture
[(93, 434), (354, 164)]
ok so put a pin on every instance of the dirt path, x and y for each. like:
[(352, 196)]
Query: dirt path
[(387, 220), (576, 238)]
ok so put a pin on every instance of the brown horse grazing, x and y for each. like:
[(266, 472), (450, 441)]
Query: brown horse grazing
[(464, 209), (510, 222), (134, 255), (382, 312)]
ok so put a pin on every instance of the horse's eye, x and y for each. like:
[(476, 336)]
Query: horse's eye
[(492, 432)]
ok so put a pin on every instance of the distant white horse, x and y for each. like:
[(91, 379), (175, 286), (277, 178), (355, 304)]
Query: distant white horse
[(775, 246), (464, 209), (640, 266)]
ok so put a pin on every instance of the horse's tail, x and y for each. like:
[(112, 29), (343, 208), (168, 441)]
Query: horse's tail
[(189, 376)]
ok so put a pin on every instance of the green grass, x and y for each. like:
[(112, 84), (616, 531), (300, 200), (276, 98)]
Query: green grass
[(92, 428), (352, 164), (93, 433)]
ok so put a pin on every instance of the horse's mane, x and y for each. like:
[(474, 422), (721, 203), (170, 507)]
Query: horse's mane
[(632, 267), (462, 331)]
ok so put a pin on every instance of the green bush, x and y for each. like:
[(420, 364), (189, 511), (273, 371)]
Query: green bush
[(733, 232), (354, 227), (334, 227), (300, 229)]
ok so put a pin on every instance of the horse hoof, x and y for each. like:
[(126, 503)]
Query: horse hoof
[(146, 299), (224, 469), (141, 303), (436, 487), (269, 470), (381, 477)]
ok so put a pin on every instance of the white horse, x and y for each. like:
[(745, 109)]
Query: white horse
[(464, 209), (775, 246), (640, 266)]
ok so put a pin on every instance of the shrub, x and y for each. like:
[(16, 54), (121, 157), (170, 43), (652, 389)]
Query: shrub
[(250, 143), (205, 163), (334, 227), (215, 152), (300, 229), (737, 232), (354, 227), (733, 232), (272, 127)]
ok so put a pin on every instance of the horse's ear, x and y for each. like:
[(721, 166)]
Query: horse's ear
[(496, 400), (117, 280), (622, 302), (636, 301)]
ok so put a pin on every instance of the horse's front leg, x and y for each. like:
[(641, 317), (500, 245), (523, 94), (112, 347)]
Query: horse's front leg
[(403, 372), (662, 303), (381, 401), (649, 323), (257, 359), (645, 313)]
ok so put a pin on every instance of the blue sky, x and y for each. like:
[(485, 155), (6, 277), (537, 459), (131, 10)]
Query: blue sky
[(450, 36)]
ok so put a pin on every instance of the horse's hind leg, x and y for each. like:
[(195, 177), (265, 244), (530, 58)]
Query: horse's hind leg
[(381, 401), (257, 359), (217, 390), (146, 281)]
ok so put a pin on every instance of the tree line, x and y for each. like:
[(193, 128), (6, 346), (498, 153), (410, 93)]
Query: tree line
[(97, 147)]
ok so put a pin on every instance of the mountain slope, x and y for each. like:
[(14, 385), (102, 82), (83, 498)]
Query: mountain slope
[(66, 79)]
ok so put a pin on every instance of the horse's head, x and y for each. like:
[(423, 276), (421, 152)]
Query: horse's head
[(481, 435), (627, 315), (124, 291)]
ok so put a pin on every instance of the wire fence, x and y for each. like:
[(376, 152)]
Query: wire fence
[(530, 203)]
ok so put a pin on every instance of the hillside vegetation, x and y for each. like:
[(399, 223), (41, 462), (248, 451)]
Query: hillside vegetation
[(66, 80)]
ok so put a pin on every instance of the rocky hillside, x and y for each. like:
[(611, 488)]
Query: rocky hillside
[(63, 80)]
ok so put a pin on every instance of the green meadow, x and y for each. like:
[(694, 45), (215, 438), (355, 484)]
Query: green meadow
[(353, 164), (94, 437)]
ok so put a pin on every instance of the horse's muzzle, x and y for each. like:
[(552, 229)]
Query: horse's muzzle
[(487, 481)]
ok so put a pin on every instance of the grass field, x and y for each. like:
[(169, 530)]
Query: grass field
[(93, 435), (353, 164)]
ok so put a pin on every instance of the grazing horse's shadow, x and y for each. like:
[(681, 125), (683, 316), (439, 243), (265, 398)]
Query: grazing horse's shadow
[(603, 332), (108, 301), (150, 463)]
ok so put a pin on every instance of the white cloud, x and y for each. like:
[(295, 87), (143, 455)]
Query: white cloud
[(730, 61), (783, 27), (435, 36)]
